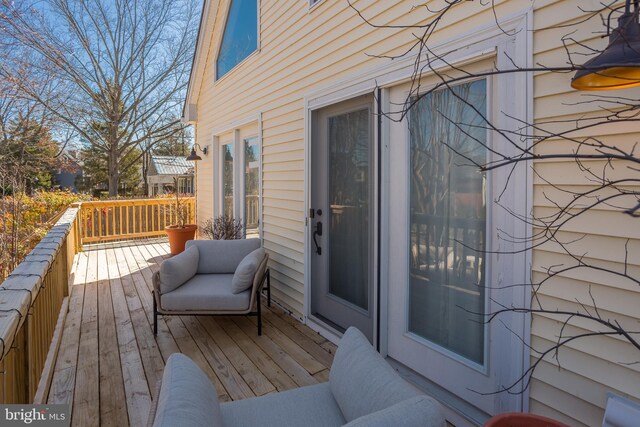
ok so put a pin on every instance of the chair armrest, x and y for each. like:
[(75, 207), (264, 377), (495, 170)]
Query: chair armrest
[(186, 397), (258, 280), (156, 286), (175, 271)]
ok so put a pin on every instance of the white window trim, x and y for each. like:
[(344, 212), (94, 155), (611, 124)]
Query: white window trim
[(313, 4)]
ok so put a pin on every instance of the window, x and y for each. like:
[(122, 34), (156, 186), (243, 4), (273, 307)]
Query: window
[(448, 219), (349, 140), (227, 179), (185, 185), (240, 36), (252, 186), (239, 167)]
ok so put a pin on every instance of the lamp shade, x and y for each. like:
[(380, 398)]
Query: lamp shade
[(618, 66), (193, 156)]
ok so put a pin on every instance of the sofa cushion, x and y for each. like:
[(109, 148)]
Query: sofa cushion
[(359, 370), (246, 271), (178, 269), (222, 256), (311, 406), (187, 397), (419, 411), (206, 292)]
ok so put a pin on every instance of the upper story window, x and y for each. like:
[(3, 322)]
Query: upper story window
[(240, 37)]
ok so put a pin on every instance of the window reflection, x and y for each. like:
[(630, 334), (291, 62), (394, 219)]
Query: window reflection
[(349, 207), (227, 179), (240, 36), (252, 186), (448, 218)]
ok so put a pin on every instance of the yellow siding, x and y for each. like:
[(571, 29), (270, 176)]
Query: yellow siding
[(576, 394), (303, 50)]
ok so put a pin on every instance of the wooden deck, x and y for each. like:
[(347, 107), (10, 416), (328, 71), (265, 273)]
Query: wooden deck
[(109, 361)]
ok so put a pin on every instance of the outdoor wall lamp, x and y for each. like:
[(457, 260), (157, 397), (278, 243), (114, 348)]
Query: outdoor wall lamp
[(618, 66), (194, 156)]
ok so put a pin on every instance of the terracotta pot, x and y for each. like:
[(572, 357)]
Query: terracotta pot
[(520, 419), (178, 236)]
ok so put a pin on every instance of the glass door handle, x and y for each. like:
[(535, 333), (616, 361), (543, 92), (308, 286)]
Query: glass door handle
[(317, 232)]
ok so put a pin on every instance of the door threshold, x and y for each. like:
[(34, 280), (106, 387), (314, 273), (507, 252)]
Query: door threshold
[(458, 412), (337, 329), (323, 329)]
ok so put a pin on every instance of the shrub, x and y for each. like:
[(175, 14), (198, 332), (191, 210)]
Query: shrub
[(224, 227), (24, 220)]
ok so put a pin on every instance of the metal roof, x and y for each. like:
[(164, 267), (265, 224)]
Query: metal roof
[(171, 165)]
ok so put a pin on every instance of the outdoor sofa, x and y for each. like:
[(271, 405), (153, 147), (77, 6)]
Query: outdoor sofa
[(363, 390), (213, 277)]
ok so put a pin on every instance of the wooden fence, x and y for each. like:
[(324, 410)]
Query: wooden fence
[(110, 220), (33, 303)]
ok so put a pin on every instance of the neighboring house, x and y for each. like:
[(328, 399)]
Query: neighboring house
[(165, 170), (69, 176), (286, 109)]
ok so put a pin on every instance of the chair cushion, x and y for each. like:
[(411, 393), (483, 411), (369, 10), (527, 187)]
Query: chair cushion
[(419, 411), (359, 370), (222, 256), (311, 406), (246, 271), (178, 269), (187, 397), (206, 292)]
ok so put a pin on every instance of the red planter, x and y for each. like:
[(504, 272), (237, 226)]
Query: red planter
[(178, 236), (519, 419)]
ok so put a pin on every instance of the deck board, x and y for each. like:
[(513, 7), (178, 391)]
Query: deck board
[(86, 403), (109, 361), (148, 346), (297, 373), (231, 381), (64, 375), (113, 408), (137, 393), (244, 366), (292, 348)]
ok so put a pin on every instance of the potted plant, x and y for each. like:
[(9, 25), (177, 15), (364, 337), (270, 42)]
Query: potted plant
[(180, 232), (520, 419)]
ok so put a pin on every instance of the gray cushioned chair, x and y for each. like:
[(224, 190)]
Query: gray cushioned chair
[(363, 390), (201, 280)]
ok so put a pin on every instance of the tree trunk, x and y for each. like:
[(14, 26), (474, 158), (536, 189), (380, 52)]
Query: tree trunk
[(114, 174), (145, 172)]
